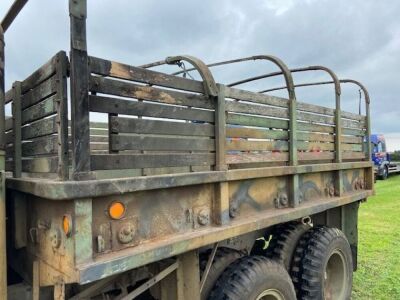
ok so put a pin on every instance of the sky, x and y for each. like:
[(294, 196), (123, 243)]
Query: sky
[(358, 39)]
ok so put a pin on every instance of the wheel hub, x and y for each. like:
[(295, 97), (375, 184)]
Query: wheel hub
[(270, 294), (335, 277)]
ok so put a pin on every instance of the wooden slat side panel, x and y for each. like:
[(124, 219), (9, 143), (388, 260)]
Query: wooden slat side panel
[(144, 126), (312, 108), (128, 107), (40, 110), (39, 93), (355, 117), (243, 158), (9, 123), (256, 133), (43, 146), (353, 155), (40, 128), (126, 89), (353, 131), (236, 119), (301, 126), (245, 145), (133, 161), (40, 75), (37, 165), (255, 109), (315, 156), (9, 137), (315, 137), (122, 71), (8, 97), (243, 95), (139, 142)]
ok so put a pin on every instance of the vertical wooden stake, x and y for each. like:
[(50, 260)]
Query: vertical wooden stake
[(338, 142), (16, 111), (80, 126), (62, 116), (221, 199), (293, 160), (36, 281), (188, 276), (59, 290), (3, 241)]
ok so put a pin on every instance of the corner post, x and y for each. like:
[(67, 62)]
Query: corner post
[(3, 240), (79, 91), (16, 112), (2, 92)]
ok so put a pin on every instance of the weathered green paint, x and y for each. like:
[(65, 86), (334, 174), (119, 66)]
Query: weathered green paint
[(71, 190), (157, 250), (82, 228)]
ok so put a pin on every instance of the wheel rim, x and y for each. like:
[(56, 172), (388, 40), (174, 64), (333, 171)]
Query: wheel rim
[(335, 280), (270, 294)]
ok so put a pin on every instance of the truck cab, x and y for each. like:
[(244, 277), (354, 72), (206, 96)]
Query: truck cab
[(380, 156)]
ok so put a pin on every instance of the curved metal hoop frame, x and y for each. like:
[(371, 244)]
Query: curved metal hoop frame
[(210, 87)]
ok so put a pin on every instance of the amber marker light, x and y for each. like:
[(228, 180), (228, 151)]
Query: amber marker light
[(67, 224), (116, 210)]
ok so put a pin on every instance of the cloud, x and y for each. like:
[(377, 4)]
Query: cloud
[(358, 39)]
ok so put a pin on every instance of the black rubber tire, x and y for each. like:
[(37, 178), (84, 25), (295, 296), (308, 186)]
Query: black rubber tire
[(385, 174), (322, 246), (223, 258), (284, 241), (295, 268), (249, 276)]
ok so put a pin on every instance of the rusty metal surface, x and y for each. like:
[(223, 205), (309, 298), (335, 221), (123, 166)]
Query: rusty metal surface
[(210, 86), (171, 214), (155, 250), (56, 190)]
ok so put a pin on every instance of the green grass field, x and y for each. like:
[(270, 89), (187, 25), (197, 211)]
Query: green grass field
[(378, 274)]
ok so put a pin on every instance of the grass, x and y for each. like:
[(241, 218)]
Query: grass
[(378, 274)]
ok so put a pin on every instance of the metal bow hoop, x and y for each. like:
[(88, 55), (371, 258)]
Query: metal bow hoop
[(367, 112), (284, 70), (210, 87)]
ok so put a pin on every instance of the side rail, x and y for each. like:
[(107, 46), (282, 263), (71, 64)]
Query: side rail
[(37, 131), (354, 127), (158, 123), (264, 118)]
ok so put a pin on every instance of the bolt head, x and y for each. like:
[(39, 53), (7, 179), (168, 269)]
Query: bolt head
[(203, 217)]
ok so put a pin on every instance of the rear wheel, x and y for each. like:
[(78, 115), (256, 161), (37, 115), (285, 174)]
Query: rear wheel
[(326, 267), (284, 241), (222, 259), (254, 278)]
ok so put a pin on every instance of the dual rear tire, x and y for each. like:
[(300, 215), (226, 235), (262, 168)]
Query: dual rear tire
[(319, 261)]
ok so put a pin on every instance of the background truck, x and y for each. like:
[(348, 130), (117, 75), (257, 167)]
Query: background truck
[(188, 188), (381, 157)]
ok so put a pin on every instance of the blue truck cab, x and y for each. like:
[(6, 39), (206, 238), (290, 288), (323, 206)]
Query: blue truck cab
[(381, 157)]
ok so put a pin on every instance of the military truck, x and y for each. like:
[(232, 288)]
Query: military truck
[(188, 189)]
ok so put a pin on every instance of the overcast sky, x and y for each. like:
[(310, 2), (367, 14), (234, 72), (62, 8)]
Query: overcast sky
[(358, 39)]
